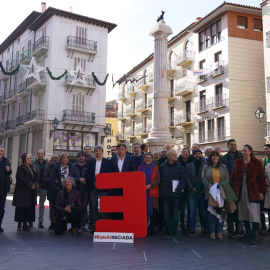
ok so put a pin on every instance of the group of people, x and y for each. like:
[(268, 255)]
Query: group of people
[(215, 187)]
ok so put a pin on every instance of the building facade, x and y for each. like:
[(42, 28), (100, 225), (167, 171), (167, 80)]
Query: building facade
[(215, 81), (67, 44)]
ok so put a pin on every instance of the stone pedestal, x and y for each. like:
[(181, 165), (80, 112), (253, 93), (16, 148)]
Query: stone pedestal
[(160, 132)]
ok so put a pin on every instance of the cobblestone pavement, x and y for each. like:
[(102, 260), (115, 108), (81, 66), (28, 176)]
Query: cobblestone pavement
[(41, 249)]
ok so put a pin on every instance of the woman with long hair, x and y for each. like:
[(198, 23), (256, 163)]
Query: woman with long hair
[(214, 173), (248, 183), (25, 193)]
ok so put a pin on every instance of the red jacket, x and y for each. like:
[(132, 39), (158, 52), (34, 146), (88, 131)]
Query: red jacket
[(154, 191), (255, 178)]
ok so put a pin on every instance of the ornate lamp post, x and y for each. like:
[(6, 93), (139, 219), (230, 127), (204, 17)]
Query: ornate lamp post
[(107, 131), (55, 124)]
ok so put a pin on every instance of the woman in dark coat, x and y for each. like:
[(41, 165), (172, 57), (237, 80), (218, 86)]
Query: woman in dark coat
[(248, 183), (25, 193)]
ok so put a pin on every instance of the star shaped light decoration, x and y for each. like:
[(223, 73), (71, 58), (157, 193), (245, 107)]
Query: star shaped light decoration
[(32, 70), (79, 75)]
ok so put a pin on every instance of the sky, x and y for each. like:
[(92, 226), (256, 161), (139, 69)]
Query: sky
[(129, 43)]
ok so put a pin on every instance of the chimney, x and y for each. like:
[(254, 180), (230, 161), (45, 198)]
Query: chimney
[(198, 19), (43, 7)]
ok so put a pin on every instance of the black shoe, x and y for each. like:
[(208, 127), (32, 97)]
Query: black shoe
[(30, 224), (255, 239), (83, 229), (232, 235), (51, 227), (40, 225), (1, 229)]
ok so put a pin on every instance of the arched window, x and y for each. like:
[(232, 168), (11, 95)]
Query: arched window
[(188, 49), (172, 60), (146, 77)]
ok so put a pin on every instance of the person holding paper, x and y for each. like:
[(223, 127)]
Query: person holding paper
[(172, 183)]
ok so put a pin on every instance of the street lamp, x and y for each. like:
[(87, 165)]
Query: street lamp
[(259, 113), (55, 124), (107, 131)]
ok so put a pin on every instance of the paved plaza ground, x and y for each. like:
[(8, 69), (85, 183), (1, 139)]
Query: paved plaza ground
[(42, 249)]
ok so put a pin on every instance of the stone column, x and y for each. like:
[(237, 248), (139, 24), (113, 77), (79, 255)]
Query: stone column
[(160, 133)]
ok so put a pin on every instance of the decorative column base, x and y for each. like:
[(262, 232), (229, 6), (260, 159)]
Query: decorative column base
[(157, 143)]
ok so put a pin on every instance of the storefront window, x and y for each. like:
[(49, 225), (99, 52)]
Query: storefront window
[(60, 140), (75, 140), (89, 139)]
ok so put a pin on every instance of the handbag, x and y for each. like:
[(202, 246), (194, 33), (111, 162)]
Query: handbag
[(212, 202)]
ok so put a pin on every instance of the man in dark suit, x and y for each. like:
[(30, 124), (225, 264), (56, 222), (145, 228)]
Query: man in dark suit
[(94, 167), (122, 162)]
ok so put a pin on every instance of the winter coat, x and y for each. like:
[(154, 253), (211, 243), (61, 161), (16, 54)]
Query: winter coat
[(255, 179), (45, 184), (6, 176), (24, 196), (168, 173)]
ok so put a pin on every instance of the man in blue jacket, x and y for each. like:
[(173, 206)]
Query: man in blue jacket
[(5, 172), (172, 183), (94, 167)]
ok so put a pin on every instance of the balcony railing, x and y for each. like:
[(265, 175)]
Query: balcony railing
[(143, 130), (151, 76), (130, 111), (184, 119), (26, 56), (78, 116), (217, 68), (120, 115), (3, 77), (185, 58), (10, 124), (82, 43), (131, 89), (171, 94), (171, 68), (201, 106), (33, 84), (36, 115), (2, 126), (141, 106), (184, 87), (267, 131), (218, 101), (90, 82), (12, 95), (41, 43), (20, 120), (22, 90), (13, 65), (121, 95), (150, 100), (143, 83)]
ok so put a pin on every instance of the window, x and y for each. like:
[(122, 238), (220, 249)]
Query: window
[(210, 35), (201, 66), (78, 102), (171, 88), (188, 113), (202, 106), (73, 140), (219, 96), (242, 22), (258, 25), (81, 61), (172, 116), (81, 34), (18, 41), (221, 130), (211, 130), (267, 39), (8, 50), (172, 60), (202, 132), (218, 56), (109, 106)]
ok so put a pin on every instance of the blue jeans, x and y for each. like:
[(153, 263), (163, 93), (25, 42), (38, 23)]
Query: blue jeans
[(194, 202), (171, 208), (213, 222)]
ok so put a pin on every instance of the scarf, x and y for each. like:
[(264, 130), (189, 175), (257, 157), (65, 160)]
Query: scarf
[(148, 175)]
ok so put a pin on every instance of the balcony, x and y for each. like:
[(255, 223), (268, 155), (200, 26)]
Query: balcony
[(13, 65), (3, 77), (130, 111), (20, 120), (35, 85), (141, 107), (78, 117), (219, 101), (185, 58), (12, 95), (201, 106), (143, 84), (81, 45), (2, 126), (122, 95), (217, 68), (22, 90), (131, 90), (10, 124), (120, 137), (41, 46), (143, 131), (26, 57), (201, 79), (171, 69), (129, 133), (151, 76), (121, 116), (3, 102), (184, 119), (90, 82), (35, 117), (184, 87)]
